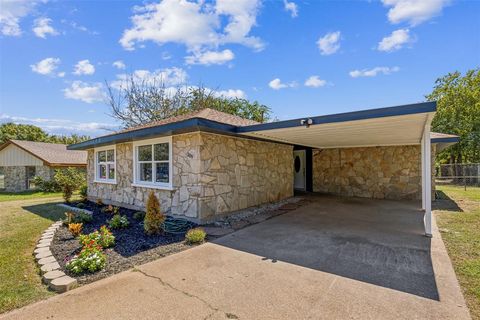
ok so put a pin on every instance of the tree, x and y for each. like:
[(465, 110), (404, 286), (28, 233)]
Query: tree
[(154, 218), (69, 179), (139, 101), (458, 112), (22, 132)]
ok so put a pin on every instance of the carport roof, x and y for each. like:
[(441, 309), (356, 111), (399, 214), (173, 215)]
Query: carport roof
[(400, 125)]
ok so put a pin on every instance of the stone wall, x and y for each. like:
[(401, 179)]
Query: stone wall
[(374, 172), (212, 175), (16, 177)]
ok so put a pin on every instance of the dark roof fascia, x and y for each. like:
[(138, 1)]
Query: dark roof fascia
[(445, 140), (348, 116), (189, 125)]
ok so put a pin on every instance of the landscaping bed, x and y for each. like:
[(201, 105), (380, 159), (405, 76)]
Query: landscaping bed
[(132, 246)]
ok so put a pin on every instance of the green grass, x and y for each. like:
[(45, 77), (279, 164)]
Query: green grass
[(12, 196), (21, 224), (461, 234)]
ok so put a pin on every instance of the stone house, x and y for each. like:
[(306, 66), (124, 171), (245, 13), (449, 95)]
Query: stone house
[(207, 164), (21, 161)]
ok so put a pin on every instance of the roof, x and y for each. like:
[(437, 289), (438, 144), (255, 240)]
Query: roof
[(207, 113), (437, 137), (52, 154), (397, 125)]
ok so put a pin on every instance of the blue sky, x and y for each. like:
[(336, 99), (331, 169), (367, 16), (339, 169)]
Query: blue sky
[(297, 57)]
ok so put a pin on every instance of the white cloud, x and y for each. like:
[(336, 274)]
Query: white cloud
[(200, 26), (61, 126), (119, 64), (12, 11), (231, 93), (277, 84), (210, 57), (167, 77), (84, 67), (42, 27), (291, 7), (413, 11), (373, 72), (394, 41), (315, 82), (85, 92), (329, 43), (46, 66)]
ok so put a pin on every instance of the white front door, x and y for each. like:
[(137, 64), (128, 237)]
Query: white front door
[(299, 169)]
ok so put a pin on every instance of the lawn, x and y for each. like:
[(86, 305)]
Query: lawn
[(10, 196), (21, 224), (460, 228)]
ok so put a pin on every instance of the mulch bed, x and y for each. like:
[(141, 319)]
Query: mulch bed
[(132, 246)]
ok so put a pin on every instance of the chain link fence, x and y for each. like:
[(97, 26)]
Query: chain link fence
[(460, 174)]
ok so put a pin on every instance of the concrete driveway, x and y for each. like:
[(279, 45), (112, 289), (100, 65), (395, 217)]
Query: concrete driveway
[(335, 258)]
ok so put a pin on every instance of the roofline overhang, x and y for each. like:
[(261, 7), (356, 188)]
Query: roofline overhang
[(445, 140), (201, 124), (423, 107)]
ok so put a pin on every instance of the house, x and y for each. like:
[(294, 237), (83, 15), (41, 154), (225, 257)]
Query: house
[(21, 161), (208, 164)]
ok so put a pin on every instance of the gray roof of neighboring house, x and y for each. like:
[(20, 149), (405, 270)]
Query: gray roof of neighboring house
[(52, 154)]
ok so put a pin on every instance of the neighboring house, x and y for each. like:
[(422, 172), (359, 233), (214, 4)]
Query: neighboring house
[(207, 164), (22, 160)]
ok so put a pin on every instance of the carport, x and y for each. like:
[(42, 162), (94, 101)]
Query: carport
[(407, 125)]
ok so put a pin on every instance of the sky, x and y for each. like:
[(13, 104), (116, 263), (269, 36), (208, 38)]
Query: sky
[(300, 58)]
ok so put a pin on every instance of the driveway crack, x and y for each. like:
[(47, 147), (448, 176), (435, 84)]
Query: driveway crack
[(166, 284)]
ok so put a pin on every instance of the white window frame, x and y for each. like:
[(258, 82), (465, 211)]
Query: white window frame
[(97, 178), (136, 164)]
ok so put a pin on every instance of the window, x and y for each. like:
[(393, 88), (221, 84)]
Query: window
[(153, 163), (30, 175), (105, 165)]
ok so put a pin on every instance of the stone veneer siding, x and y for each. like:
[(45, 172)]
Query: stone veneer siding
[(212, 176), (16, 176), (373, 172)]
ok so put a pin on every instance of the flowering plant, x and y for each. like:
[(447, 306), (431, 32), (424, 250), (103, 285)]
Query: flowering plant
[(90, 259), (104, 237)]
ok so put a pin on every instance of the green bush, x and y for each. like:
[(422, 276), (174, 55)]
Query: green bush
[(81, 205), (103, 237), (69, 179), (90, 259), (118, 222), (46, 185), (139, 215), (83, 192), (77, 217), (154, 218), (196, 235)]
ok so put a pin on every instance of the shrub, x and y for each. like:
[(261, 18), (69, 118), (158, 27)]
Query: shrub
[(118, 222), (104, 238), (90, 259), (81, 205), (99, 202), (83, 192), (116, 210), (69, 179), (196, 235), (108, 209), (46, 185), (69, 216), (76, 217), (139, 215), (154, 218), (75, 228)]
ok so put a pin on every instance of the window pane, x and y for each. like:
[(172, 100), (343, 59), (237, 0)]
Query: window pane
[(102, 171), (110, 155), (161, 151), (145, 153), (162, 172), (145, 172), (102, 156), (111, 171)]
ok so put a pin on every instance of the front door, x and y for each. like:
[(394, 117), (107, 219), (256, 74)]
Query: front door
[(299, 169)]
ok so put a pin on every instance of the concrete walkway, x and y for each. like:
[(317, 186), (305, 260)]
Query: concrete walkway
[(280, 269)]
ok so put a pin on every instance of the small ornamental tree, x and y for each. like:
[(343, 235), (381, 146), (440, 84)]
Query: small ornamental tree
[(69, 180), (154, 218)]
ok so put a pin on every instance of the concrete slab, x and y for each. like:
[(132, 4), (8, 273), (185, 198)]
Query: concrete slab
[(42, 249), (280, 269), (46, 260), (44, 254), (49, 267)]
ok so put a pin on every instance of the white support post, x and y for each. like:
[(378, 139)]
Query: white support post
[(422, 156), (427, 179)]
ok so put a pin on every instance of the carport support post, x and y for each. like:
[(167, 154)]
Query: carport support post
[(427, 180)]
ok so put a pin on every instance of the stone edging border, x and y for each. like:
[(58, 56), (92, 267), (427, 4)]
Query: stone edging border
[(74, 209), (49, 267)]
